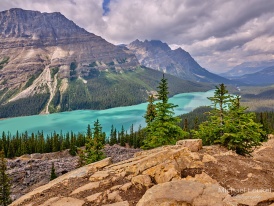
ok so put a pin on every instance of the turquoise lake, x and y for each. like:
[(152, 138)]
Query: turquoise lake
[(78, 120)]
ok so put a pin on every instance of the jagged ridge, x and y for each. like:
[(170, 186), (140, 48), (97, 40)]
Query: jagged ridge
[(159, 56)]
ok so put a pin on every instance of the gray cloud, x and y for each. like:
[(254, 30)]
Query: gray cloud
[(218, 33)]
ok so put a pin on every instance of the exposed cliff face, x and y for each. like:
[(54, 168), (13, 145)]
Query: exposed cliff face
[(159, 56), (32, 40)]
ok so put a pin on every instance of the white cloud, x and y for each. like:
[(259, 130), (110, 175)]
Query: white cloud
[(218, 33)]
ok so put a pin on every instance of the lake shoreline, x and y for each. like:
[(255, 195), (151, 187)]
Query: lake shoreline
[(77, 120)]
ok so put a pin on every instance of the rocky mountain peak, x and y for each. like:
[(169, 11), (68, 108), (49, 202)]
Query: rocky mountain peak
[(152, 43), (38, 50), (159, 56), (158, 44), (15, 23), (179, 49)]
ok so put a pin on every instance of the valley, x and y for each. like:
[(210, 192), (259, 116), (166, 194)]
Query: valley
[(69, 68), (91, 120)]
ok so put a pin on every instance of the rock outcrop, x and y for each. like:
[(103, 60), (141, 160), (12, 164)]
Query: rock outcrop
[(169, 175)]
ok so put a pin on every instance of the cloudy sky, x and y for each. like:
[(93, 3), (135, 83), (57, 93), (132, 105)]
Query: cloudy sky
[(219, 34)]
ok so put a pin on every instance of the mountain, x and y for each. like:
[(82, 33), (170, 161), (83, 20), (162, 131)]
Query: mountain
[(247, 68), (159, 56), (263, 77), (49, 64)]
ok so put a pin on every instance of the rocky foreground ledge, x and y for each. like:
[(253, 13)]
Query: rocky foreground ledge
[(179, 175), (31, 171)]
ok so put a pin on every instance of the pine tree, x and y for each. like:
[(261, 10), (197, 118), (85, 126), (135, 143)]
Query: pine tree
[(82, 157), (185, 125), (131, 136), (241, 133), (73, 147), (4, 182), (220, 101), (88, 131), (95, 144), (52, 174), (230, 125), (139, 138), (164, 128), (123, 137), (196, 126), (113, 138)]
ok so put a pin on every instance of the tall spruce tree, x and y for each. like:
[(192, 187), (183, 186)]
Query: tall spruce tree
[(95, 144), (113, 138), (163, 129), (4, 182), (220, 100), (122, 137)]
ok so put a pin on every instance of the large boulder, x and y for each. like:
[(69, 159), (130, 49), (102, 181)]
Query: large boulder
[(183, 192)]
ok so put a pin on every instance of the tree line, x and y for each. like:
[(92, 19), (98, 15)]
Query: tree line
[(25, 143)]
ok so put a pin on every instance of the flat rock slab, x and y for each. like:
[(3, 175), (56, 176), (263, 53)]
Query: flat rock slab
[(68, 201), (124, 203), (89, 186), (94, 197), (194, 145), (100, 175)]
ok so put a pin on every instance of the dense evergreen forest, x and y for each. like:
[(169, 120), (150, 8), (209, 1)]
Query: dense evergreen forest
[(26, 106), (24, 143)]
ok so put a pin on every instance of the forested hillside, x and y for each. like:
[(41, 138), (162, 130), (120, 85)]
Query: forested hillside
[(100, 90)]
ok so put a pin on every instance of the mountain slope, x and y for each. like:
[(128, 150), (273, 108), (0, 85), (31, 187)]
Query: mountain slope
[(49, 64), (247, 68), (263, 77), (105, 90), (159, 56)]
